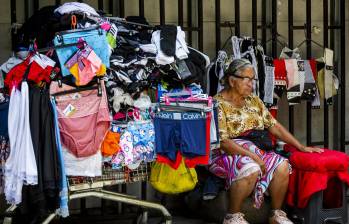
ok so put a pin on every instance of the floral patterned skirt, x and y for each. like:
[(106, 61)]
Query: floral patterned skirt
[(235, 167)]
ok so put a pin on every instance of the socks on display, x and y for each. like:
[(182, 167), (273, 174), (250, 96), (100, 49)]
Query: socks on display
[(168, 36), (293, 82)]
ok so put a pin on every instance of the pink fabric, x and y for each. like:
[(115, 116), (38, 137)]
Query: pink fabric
[(292, 72), (83, 131), (92, 65)]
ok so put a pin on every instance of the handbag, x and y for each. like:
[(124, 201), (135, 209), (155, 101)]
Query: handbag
[(261, 138), (167, 180)]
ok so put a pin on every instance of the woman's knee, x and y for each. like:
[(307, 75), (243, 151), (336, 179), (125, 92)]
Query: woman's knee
[(283, 169), (252, 178)]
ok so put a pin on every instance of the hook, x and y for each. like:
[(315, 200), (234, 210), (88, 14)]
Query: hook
[(73, 22)]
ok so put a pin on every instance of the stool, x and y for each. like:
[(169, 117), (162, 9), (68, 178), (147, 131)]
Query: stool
[(315, 213)]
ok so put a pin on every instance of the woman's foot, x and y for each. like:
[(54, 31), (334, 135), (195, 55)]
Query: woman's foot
[(279, 217), (236, 218)]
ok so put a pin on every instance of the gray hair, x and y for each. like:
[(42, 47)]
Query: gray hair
[(235, 68)]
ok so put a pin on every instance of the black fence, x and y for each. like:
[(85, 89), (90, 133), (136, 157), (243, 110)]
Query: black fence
[(333, 28)]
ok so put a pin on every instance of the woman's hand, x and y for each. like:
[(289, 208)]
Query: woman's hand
[(260, 162), (310, 149)]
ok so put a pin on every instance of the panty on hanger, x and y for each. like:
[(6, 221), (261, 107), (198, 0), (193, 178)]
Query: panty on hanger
[(310, 88), (293, 82), (280, 76), (287, 53)]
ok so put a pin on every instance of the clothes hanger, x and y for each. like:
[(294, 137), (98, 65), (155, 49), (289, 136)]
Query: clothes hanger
[(307, 39), (280, 42), (311, 40), (123, 20), (227, 40), (163, 106), (41, 50), (81, 89), (183, 92)]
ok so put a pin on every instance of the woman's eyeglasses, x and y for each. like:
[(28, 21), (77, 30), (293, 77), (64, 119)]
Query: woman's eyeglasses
[(245, 79)]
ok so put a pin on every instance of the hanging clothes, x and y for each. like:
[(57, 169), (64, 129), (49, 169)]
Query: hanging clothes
[(63, 210), (83, 119), (20, 167), (293, 82), (327, 82), (43, 198), (287, 53), (4, 139)]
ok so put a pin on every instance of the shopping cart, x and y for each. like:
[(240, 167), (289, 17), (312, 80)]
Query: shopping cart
[(83, 187)]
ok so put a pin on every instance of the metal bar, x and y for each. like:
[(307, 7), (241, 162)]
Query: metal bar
[(218, 24), (180, 13), (190, 28), (298, 27), (116, 197), (237, 18), (111, 7), (58, 2), (326, 118), (308, 46), (332, 15), (162, 12), (100, 4), (274, 28), (13, 20), (264, 24), (227, 24), (122, 8), (334, 27), (26, 9), (49, 218), (254, 19), (36, 5), (200, 26), (316, 143), (190, 21), (290, 44), (141, 7), (342, 72)]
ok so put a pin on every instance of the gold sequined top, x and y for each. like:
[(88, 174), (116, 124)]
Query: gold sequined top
[(233, 121)]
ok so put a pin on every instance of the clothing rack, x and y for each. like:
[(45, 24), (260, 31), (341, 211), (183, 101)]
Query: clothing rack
[(80, 188)]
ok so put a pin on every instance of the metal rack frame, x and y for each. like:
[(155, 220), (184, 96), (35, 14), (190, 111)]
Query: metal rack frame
[(83, 187)]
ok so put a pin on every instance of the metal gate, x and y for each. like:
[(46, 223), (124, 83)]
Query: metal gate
[(333, 37)]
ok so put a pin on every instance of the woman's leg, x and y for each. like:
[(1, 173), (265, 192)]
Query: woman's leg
[(279, 184), (240, 190)]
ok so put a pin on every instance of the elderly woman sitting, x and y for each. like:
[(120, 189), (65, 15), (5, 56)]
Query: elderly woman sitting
[(246, 167)]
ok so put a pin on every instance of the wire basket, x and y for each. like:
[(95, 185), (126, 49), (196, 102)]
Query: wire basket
[(110, 177)]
